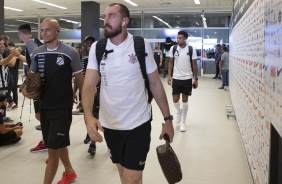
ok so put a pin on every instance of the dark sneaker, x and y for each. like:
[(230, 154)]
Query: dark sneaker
[(219, 78), (214, 78), (8, 120), (92, 148), (222, 87), (38, 127), (87, 139), (17, 124)]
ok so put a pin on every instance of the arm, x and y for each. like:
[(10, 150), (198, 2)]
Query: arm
[(10, 58), (158, 92), (78, 81), (92, 78), (169, 70), (195, 73), (4, 129), (22, 58), (161, 58)]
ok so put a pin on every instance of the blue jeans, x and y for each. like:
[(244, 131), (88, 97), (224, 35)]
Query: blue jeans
[(225, 77)]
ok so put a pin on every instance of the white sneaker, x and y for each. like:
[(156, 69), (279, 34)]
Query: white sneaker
[(182, 127), (178, 117)]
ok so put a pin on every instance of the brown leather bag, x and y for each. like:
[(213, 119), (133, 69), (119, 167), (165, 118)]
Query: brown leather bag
[(169, 162), (32, 85)]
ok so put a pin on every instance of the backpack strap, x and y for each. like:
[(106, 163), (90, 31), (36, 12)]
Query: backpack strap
[(190, 54), (100, 50), (139, 47), (174, 50)]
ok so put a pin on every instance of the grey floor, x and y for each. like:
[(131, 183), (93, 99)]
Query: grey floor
[(210, 151)]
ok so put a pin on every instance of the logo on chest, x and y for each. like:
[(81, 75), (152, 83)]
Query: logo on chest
[(60, 60), (132, 58)]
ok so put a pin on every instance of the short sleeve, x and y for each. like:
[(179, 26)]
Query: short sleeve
[(151, 65), (75, 62), (170, 52), (194, 56), (92, 61), (223, 57), (31, 46), (33, 65)]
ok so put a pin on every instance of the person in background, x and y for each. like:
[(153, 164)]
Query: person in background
[(9, 133), (6, 60), (217, 61), (224, 67), (86, 45), (183, 74), (168, 44), (57, 62), (125, 113), (13, 82), (158, 56), (24, 33), (78, 48)]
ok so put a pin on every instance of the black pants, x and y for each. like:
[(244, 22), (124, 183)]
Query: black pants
[(217, 70), (12, 87)]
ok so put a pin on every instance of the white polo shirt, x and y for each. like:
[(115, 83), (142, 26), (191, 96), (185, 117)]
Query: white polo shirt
[(123, 95), (182, 66)]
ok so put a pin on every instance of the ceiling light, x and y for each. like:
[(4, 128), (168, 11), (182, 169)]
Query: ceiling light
[(130, 2), (14, 9), (197, 1), (50, 4), (70, 21), (27, 21), (11, 25), (161, 20)]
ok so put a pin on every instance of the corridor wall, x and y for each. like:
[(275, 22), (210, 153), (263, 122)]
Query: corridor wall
[(256, 79)]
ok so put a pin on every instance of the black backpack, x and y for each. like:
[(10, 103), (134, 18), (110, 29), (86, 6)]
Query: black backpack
[(139, 47), (190, 52)]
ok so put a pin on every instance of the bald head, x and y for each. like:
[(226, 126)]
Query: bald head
[(52, 22), (50, 29)]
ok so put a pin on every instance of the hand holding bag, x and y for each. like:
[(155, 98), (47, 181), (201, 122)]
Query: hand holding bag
[(32, 86), (33, 83), (169, 162)]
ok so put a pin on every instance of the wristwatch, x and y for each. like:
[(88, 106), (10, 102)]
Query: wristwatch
[(170, 117), (196, 78)]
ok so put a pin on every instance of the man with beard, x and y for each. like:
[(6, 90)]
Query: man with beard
[(57, 62), (9, 133), (125, 113)]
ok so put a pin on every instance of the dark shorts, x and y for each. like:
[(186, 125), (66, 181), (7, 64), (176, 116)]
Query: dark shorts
[(182, 86), (129, 147), (36, 106), (7, 137), (55, 125)]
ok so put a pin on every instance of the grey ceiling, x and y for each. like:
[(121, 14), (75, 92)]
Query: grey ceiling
[(31, 8)]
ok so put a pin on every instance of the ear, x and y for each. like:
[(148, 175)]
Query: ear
[(123, 23)]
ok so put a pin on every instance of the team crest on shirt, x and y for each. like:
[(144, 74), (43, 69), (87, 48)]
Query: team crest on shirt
[(60, 60), (132, 58)]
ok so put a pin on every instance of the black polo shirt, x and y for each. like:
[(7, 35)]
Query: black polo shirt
[(56, 68)]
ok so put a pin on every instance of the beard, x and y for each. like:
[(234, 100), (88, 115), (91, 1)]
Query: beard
[(114, 32)]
